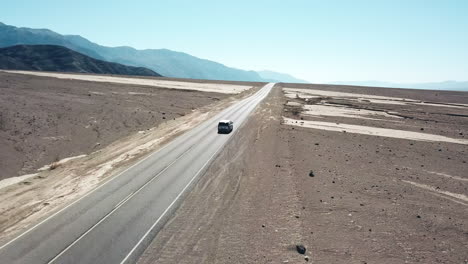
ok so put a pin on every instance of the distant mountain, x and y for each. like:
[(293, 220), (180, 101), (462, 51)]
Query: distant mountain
[(280, 77), (61, 59), (446, 85), (11, 36), (166, 62)]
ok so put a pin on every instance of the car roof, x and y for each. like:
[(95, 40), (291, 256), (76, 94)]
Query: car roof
[(225, 121)]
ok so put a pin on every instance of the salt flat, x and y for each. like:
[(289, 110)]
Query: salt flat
[(203, 87)]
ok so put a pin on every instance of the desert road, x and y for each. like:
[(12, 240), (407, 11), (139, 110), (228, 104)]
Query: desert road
[(115, 222)]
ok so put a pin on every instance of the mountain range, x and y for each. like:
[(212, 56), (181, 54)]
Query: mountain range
[(58, 58), (446, 85), (163, 61), (276, 76)]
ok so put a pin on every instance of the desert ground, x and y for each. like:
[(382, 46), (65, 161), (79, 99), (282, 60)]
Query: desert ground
[(43, 120), (354, 174), (62, 138)]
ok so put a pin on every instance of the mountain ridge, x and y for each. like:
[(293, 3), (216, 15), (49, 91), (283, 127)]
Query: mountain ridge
[(280, 77), (163, 61), (61, 59), (443, 85)]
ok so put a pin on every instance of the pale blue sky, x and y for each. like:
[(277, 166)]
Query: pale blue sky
[(320, 41)]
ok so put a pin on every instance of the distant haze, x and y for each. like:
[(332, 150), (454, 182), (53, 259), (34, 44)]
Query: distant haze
[(280, 77), (163, 61), (447, 85), (400, 41)]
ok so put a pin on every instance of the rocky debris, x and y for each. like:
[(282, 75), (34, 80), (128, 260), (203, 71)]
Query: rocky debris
[(301, 249), (311, 174), (306, 258)]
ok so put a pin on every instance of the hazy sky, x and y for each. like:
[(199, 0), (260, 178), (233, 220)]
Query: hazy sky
[(320, 41)]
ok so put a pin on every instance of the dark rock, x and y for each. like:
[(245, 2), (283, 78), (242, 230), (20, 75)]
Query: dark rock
[(301, 249), (311, 174)]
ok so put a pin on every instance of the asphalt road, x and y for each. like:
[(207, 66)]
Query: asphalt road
[(116, 222)]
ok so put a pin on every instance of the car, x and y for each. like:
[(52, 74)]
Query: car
[(225, 126)]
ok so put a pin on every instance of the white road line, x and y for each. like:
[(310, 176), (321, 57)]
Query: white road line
[(88, 193), (121, 203), (79, 199), (118, 206), (124, 200), (175, 200), (168, 208), (261, 95)]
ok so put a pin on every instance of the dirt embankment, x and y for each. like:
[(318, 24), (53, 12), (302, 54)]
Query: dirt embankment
[(347, 196), (43, 120)]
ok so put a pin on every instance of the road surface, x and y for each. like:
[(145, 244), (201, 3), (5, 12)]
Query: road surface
[(115, 222)]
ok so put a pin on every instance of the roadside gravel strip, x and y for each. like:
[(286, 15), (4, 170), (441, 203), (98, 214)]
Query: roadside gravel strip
[(115, 222)]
